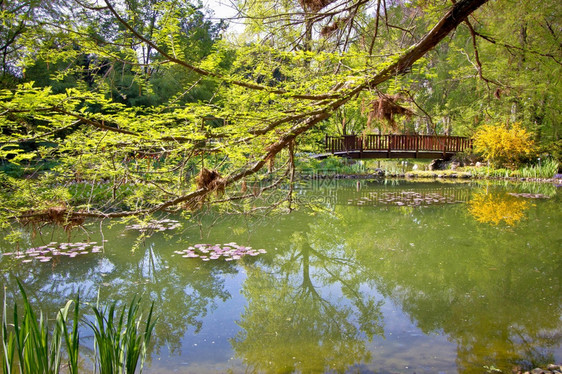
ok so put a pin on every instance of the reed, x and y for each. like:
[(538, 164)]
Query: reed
[(36, 348), (120, 342), (31, 345), (72, 337), (8, 343), (547, 169)]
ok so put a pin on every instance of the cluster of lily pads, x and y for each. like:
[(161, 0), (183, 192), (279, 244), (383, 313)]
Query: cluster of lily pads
[(228, 251), (45, 253), (404, 198), (156, 225)]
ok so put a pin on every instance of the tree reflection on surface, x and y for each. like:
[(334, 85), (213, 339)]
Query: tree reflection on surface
[(334, 285)]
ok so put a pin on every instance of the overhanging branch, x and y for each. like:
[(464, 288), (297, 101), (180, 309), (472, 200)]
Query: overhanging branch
[(455, 16)]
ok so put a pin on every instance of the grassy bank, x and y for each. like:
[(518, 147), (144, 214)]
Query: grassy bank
[(545, 170)]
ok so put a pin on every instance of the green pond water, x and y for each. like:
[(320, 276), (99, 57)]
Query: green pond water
[(365, 277)]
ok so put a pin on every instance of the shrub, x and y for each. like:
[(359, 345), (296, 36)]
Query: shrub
[(502, 146)]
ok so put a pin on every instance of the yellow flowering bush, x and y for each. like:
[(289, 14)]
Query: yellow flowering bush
[(503, 146)]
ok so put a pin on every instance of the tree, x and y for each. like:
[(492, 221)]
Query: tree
[(155, 147), (16, 16), (502, 66)]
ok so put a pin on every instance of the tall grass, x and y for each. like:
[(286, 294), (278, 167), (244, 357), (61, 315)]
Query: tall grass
[(118, 338), (72, 338), (547, 169), (8, 343), (31, 345)]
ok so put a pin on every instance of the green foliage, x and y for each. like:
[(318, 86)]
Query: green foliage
[(538, 169), (131, 100), (491, 172), (332, 165), (36, 347), (120, 343), (542, 169), (553, 149)]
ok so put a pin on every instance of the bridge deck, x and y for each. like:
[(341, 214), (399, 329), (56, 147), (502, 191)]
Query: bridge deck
[(395, 146)]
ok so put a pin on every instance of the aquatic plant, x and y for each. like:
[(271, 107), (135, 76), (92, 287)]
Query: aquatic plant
[(546, 169), (229, 251), (32, 346), (36, 349), (45, 253), (8, 343), (72, 338), (155, 225), (119, 342), (404, 198)]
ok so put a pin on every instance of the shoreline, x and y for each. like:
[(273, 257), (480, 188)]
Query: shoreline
[(433, 175)]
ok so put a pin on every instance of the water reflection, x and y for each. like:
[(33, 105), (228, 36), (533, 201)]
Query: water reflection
[(183, 292), (493, 293), (307, 312), (335, 283), (496, 208)]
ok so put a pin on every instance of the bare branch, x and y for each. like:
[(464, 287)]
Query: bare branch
[(376, 27), (477, 56)]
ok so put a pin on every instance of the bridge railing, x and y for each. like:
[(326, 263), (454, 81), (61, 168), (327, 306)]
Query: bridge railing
[(432, 143)]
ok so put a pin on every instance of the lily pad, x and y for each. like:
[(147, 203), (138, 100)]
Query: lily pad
[(229, 251)]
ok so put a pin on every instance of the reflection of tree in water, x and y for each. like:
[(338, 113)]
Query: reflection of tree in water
[(183, 294), (493, 292), (295, 321), (494, 208)]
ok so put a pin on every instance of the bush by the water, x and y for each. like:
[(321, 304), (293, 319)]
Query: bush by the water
[(504, 146)]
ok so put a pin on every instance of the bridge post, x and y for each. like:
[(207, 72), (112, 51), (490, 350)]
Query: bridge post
[(361, 146), (388, 141)]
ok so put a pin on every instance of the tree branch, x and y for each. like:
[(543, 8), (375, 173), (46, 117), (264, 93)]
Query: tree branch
[(206, 72), (509, 47), (455, 16)]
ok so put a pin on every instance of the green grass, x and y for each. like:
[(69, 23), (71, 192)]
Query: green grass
[(433, 174), (331, 165), (31, 345), (547, 169), (120, 343)]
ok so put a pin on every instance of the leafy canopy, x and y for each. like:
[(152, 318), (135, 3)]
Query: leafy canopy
[(132, 99)]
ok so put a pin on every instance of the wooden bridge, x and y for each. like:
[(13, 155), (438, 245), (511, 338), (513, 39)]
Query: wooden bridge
[(395, 146)]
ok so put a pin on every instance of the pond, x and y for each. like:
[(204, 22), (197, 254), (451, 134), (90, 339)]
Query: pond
[(366, 276)]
